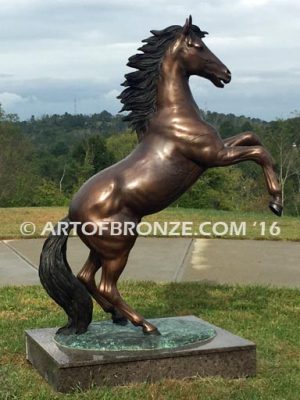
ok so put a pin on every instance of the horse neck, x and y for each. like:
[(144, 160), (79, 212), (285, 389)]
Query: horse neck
[(173, 91)]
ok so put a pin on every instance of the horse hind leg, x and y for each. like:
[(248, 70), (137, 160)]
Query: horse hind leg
[(111, 271), (87, 276)]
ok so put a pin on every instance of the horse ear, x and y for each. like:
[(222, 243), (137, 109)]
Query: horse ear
[(187, 26)]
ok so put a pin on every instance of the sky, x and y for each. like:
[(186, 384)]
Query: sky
[(70, 56)]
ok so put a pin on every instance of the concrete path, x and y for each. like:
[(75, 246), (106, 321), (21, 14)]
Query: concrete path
[(172, 259), (14, 270), (244, 262)]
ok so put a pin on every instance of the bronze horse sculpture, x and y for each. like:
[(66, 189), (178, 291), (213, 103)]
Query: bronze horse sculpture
[(175, 148)]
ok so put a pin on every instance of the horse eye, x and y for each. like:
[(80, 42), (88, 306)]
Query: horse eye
[(199, 48)]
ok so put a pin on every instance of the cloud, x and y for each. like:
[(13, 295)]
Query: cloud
[(5, 76), (112, 94), (55, 51), (9, 100), (255, 3)]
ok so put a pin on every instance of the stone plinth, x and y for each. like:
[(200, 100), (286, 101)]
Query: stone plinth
[(65, 368)]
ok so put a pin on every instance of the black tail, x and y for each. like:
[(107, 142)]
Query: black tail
[(58, 280)]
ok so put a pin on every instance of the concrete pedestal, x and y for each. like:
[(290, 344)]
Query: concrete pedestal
[(225, 355)]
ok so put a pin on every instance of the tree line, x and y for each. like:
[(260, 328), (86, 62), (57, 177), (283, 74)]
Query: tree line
[(43, 161)]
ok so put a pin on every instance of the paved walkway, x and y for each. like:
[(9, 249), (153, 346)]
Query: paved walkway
[(172, 259)]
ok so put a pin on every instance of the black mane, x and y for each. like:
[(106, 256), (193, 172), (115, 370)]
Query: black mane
[(139, 97)]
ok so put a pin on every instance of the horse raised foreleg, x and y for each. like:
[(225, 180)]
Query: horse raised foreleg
[(233, 155), (87, 276), (111, 270), (243, 139)]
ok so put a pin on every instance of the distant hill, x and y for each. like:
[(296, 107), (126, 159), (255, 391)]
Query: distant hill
[(67, 127)]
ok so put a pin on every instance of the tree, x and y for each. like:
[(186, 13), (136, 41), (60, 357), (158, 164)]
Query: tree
[(218, 188), (121, 144), (17, 175), (284, 138), (91, 156), (47, 194), (227, 129)]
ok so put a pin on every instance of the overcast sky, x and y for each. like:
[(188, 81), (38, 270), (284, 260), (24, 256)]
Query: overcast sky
[(52, 52)]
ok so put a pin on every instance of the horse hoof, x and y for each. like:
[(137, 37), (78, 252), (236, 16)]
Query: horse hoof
[(150, 330), (276, 208), (80, 330), (70, 329), (66, 330)]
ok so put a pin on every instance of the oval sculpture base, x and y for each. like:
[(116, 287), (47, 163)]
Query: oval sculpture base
[(106, 336)]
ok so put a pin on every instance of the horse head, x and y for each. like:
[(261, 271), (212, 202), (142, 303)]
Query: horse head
[(196, 58), (177, 46)]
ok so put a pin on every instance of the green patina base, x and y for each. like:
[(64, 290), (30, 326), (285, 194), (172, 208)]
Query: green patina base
[(105, 336)]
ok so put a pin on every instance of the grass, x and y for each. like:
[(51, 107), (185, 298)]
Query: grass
[(264, 315), (12, 218)]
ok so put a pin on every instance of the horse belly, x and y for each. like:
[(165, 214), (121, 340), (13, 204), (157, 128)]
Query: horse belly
[(134, 188), (155, 191)]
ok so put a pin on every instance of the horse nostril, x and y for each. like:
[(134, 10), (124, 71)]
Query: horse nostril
[(228, 76)]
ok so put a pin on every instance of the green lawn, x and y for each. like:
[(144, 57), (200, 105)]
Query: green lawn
[(12, 218), (269, 317)]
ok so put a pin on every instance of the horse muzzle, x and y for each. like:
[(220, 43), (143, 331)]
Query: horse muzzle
[(221, 79)]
